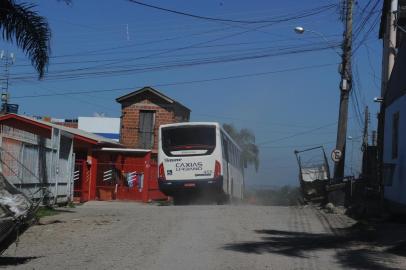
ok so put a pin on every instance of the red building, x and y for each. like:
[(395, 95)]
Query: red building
[(142, 112), (103, 169)]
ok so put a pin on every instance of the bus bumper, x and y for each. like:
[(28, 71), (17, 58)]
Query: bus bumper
[(175, 187)]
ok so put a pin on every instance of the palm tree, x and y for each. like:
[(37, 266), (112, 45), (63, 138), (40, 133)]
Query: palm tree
[(245, 138), (31, 32)]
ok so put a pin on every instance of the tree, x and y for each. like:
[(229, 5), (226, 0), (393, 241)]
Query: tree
[(245, 138), (31, 32)]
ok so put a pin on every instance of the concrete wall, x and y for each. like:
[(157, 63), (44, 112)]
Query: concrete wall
[(395, 188)]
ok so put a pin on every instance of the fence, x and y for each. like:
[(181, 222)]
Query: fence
[(32, 162), (133, 179)]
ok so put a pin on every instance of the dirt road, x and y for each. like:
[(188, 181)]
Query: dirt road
[(118, 235)]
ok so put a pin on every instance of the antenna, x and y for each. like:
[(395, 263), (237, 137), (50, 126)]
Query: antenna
[(8, 60), (127, 32)]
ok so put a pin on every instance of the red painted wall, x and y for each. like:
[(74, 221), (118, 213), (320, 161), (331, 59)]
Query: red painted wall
[(118, 189)]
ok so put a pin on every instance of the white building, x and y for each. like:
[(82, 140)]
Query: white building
[(394, 157), (108, 127)]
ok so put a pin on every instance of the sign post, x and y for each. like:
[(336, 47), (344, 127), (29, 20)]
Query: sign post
[(336, 155)]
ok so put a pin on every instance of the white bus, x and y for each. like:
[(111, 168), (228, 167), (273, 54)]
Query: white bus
[(196, 158)]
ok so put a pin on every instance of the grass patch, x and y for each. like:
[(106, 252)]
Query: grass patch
[(46, 212), (163, 203), (71, 205)]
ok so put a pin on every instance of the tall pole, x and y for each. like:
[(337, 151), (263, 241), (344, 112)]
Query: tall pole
[(345, 87), (392, 40)]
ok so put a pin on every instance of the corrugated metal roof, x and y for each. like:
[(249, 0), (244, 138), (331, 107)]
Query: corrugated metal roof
[(98, 139)]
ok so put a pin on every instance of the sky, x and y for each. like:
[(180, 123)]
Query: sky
[(281, 85)]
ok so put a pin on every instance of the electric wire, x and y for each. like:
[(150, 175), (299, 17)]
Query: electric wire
[(284, 18), (180, 82)]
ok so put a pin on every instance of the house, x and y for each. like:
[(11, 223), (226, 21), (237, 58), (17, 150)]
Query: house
[(142, 112), (394, 147), (67, 163), (392, 116), (40, 155)]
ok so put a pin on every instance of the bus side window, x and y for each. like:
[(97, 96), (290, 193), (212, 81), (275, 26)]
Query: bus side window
[(230, 153), (233, 154), (235, 157), (241, 164), (237, 154), (225, 149)]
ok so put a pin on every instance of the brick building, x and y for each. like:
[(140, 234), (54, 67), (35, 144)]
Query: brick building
[(142, 112)]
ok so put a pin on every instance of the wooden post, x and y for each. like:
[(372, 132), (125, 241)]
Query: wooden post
[(147, 176), (93, 176)]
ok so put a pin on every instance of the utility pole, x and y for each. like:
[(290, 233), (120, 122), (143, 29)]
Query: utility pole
[(389, 46), (345, 89), (374, 138)]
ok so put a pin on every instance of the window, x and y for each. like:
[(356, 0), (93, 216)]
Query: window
[(189, 140), (234, 155), (395, 135), (146, 130), (230, 154), (388, 172), (225, 147)]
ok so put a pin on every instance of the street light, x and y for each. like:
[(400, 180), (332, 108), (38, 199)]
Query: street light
[(300, 30), (378, 99)]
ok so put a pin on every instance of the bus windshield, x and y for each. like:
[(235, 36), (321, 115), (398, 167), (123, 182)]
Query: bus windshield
[(188, 140)]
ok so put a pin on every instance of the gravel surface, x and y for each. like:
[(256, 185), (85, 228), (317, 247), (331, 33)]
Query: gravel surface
[(124, 235)]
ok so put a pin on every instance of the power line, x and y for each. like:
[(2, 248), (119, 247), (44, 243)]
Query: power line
[(71, 76), (297, 134), (371, 67), (180, 48), (261, 124), (279, 19), (297, 146), (90, 52), (113, 71), (102, 51), (215, 53), (181, 82)]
